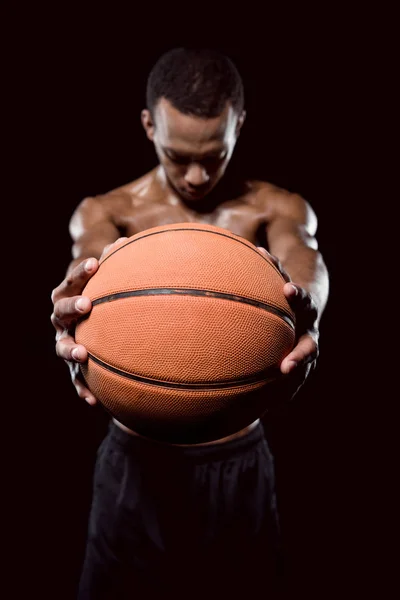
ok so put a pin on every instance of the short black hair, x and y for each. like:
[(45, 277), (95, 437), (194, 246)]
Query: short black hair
[(196, 81)]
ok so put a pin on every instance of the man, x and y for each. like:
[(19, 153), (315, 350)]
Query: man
[(203, 515)]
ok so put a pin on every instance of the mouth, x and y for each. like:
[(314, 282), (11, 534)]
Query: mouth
[(194, 194)]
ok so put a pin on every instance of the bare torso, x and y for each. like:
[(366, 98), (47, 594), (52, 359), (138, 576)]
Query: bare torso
[(148, 202)]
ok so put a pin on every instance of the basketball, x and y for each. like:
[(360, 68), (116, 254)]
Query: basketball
[(187, 331)]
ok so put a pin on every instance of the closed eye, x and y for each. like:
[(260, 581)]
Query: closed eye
[(209, 161), (179, 160)]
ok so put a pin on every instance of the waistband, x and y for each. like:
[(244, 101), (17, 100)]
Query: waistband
[(219, 451)]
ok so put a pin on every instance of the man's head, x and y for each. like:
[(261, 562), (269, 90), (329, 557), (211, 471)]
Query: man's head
[(194, 115)]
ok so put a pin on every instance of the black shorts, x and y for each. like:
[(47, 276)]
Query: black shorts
[(187, 521)]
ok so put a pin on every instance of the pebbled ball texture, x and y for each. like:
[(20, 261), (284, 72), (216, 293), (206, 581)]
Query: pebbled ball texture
[(188, 328)]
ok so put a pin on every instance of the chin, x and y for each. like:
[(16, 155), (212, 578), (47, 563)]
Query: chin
[(194, 197)]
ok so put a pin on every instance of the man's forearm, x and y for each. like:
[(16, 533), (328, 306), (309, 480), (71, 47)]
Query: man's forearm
[(307, 268)]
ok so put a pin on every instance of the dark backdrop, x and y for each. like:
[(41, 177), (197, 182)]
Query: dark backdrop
[(80, 92)]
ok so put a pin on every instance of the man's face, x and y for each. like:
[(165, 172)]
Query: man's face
[(194, 152)]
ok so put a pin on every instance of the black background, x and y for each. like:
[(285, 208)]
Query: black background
[(78, 88)]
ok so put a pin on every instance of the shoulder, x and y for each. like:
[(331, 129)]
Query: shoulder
[(107, 202), (103, 206), (278, 202), (97, 211), (118, 200)]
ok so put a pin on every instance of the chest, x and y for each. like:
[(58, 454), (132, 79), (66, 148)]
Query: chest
[(245, 221)]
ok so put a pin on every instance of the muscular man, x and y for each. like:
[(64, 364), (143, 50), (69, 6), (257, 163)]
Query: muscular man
[(203, 514)]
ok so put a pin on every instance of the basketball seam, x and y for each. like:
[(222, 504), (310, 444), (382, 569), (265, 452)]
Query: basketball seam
[(280, 313), (267, 375), (230, 237)]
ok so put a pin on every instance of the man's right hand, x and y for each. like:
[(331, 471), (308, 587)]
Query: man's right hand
[(68, 307)]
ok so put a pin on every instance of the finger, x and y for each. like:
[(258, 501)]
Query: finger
[(301, 302), (69, 350), (306, 351), (113, 246), (75, 281), (264, 251), (68, 310), (84, 393), (293, 290), (276, 262), (81, 389)]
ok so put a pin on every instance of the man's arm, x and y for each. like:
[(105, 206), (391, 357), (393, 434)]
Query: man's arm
[(92, 231), (291, 237)]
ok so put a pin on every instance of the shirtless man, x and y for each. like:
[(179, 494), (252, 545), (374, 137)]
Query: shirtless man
[(194, 114)]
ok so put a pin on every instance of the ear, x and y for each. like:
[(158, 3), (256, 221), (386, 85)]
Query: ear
[(240, 122), (148, 124)]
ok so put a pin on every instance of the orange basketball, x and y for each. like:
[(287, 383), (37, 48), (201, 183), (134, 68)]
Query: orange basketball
[(188, 328)]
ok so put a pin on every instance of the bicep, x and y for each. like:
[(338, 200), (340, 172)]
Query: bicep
[(292, 224), (91, 229)]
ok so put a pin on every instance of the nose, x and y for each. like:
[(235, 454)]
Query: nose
[(196, 175)]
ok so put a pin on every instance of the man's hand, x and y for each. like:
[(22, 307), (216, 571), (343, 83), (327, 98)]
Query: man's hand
[(306, 349), (69, 305), (301, 360)]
